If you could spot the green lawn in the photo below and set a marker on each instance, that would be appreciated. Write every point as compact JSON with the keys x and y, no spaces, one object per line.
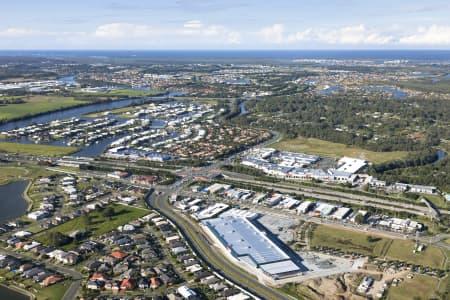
{"x":420,"y":287}
{"x":35,"y":105}
{"x":349,"y":240}
{"x":36,"y":149}
{"x":403,"y":250}
{"x":97,"y":224}
{"x":437,"y":200}
{"x":53,"y":292}
{"x":325,"y":148}
{"x":395,"y":249}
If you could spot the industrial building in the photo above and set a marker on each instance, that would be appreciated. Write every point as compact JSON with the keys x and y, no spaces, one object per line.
{"x":240,"y":237}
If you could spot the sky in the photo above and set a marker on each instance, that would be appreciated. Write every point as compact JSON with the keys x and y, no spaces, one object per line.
{"x":224,"y":24}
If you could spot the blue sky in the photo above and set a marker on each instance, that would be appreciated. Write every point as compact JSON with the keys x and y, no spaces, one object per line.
{"x":225,"y":24}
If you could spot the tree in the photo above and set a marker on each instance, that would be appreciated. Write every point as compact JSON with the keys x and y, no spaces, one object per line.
{"x":58,"y":239}
{"x":109,"y":212}
{"x":359,"y":219}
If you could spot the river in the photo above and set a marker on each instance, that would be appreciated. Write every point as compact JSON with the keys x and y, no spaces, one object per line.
{"x":12,"y":203}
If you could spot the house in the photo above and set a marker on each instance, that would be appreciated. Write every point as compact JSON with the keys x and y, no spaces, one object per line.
{"x":166,"y":279}
{"x":127,"y":284}
{"x":71,"y":258}
{"x":91,"y":266}
{"x":143,"y":283}
{"x":112,"y":285}
{"x":93,"y":285}
{"x":179,"y":250}
{"x":41,"y":276}
{"x":186,"y":292}
{"x":98,"y":277}
{"x":119,"y":254}
{"x":128,"y":273}
{"x":52,"y":279}
{"x":154,"y":283}
{"x":120,"y":268}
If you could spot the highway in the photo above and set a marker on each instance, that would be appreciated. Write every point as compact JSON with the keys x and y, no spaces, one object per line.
{"x":203,"y":248}
{"x":332,"y":195}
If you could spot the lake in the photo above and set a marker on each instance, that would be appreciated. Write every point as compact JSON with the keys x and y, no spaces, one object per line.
{"x":12,"y":203}
{"x":8,"y":294}
{"x":395,"y":93}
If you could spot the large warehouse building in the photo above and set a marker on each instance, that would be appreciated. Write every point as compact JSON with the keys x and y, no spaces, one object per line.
{"x":246,"y":243}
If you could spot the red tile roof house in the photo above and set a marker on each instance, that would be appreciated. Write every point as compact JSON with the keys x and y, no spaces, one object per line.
{"x":51,"y":280}
{"x":98,"y":276}
{"x":127,"y":284}
{"x":119,"y":254}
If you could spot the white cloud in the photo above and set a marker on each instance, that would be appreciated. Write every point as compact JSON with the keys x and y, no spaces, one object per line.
{"x":428,"y":36}
{"x":349,"y":35}
{"x":21,"y":32}
{"x":193,"y":24}
{"x":124,"y":30}
{"x":196,"y":28}
{"x":273,"y":34}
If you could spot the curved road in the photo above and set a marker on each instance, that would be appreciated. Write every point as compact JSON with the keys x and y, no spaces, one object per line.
{"x":214,"y":259}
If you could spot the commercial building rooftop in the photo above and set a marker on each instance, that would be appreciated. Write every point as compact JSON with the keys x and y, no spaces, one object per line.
{"x":247,"y":243}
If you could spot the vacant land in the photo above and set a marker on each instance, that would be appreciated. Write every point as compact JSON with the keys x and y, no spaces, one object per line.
{"x":325,"y":148}
{"x":420,"y":287}
{"x":10,"y":173}
{"x":35,"y":105}
{"x":403,"y":250}
{"x":95,"y":223}
{"x":35,"y":149}
{"x":359,"y":242}
{"x":350,"y":240}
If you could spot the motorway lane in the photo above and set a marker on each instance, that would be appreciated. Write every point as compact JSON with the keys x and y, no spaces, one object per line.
{"x":325,"y":194}
{"x":214,"y":259}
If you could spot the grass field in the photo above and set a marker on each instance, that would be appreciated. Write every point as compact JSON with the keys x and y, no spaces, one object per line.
{"x":437,"y":200}
{"x":395,"y":249}
{"x":97,"y":225}
{"x":35,"y":105}
{"x":420,"y":287}
{"x":35,"y":149}
{"x":10,"y":173}
{"x":330,"y":149}
{"x":403,"y":250}
{"x":349,"y":240}
{"x":53,"y":292}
